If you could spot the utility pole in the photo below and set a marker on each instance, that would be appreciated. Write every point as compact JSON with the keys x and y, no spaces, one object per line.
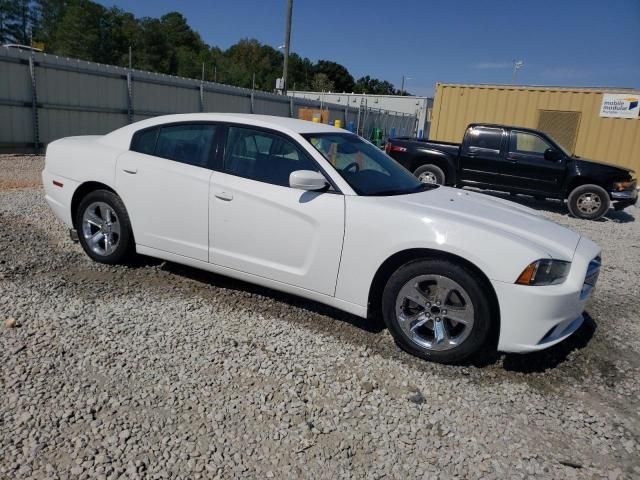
{"x":517,"y":65}
{"x":130,"y":62}
{"x":202,"y":79}
{"x":402,"y":86}
{"x":287,"y":41}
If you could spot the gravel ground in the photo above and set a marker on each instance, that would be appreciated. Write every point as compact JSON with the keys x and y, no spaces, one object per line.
{"x":157,"y":370}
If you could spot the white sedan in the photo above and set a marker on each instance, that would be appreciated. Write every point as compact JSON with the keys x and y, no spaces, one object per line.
{"x":318,"y":212}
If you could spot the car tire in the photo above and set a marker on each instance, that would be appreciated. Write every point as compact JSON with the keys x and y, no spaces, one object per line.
{"x":449,"y":318}
{"x":430,"y":174}
{"x":103,"y":227}
{"x":590,"y":202}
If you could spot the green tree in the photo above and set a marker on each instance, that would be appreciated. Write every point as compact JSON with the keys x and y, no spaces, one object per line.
{"x":322,"y":83}
{"x":15,"y":21}
{"x":79,"y":32}
{"x":337,"y":74}
{"x":374,"y":86}
{"x":46,"y":15}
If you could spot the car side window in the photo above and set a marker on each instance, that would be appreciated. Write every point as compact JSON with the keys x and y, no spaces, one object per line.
{"x":527,"y":144}
{"x":145,"y":141}
{"x":264,"y":157}
{"x":485,"y":138}
{"x":190,"y":143}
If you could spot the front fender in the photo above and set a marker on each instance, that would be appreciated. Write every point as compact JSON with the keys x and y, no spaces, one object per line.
{"x":370,"y":241}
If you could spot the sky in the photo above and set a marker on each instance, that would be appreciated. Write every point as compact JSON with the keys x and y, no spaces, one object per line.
{"x":561,"y":42}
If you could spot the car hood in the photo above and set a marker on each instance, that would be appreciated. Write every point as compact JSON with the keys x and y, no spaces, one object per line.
{"x":585,"y":164}
{"x":521,"y":223}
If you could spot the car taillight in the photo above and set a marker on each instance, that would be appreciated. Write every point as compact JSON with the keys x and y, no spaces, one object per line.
{"x":394,"y":148}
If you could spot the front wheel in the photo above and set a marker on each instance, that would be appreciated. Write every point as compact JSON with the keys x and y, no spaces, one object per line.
{"x":430,"y":174}
{"x":590,"y":202}
{"x":437,"y":310}
{"x":103,"y":227}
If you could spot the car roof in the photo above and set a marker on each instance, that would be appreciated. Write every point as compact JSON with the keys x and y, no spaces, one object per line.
{"x":122,"y":136}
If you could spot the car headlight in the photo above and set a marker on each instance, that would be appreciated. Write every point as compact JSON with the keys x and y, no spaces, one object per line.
{"x":544,"y":272}
{"x":622,"y":186}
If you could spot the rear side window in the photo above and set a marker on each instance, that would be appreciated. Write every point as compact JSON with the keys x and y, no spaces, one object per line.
{"x":145,"y":141}
{"x":187,"y":143}
{"x":485,"y":138}
{"x":190,"y":144}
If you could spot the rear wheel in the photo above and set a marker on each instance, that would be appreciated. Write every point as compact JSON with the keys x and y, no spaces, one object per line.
{"x":430,"y":174}
{"x":590,"y":202}
{"x":103,"y":227}
{"x":437,"y":310}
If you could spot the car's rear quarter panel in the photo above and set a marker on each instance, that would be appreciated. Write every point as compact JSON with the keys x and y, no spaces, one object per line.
{"x":71,"y":162}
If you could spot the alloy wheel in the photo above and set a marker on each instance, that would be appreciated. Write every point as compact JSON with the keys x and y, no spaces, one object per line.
{"x":434,"y":312}
{"x":101,"y":228}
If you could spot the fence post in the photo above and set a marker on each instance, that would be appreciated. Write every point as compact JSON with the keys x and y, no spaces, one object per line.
{"x":251,"y":102}
{"x":201,"y":97}
{"x":346,"y":114}
{"x":129,"y":97}
{"x":291,"y":108}
{"x":34,"y":104}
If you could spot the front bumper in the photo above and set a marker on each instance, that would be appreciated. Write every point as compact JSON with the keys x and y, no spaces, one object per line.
{"x":536,"y":317}
{"x":624,"y":199}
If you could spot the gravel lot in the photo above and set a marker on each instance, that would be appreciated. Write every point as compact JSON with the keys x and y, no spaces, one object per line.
{"x":160,"y":371}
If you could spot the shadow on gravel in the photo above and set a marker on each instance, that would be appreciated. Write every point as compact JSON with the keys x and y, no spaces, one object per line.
{"x":538,"y":362}
{"x":220,"y":281}
{"x":557,"y":206}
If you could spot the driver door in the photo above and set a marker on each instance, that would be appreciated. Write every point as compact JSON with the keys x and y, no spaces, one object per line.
{"x":532,"y":171}
{"x":260,"y":225}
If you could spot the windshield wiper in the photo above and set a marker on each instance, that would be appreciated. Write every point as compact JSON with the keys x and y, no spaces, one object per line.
{"x":420,"y":188}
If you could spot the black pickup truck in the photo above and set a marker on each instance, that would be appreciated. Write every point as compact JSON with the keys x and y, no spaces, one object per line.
{"x":518,"y":160}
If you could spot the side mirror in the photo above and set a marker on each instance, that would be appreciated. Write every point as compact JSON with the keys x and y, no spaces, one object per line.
{"x":307,"y":180}
{"x":552,"y":154}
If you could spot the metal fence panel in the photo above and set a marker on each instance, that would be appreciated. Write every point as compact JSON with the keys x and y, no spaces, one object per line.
{"x":225,"y":103}
{"x":14,"y":81}
{"x":163,"y":99}
{"x":58,"y":123}
{"x":15,"y":125}
{"x":45,"y":97}
{"x":271,"y":107}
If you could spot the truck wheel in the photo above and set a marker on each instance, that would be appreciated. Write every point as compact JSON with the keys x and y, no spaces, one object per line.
{"x":437,"y":310}
{"x":588,"y":201}
{"x":430,"y":174}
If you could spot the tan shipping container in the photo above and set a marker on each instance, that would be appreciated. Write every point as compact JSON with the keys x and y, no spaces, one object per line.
{"x":571,"y":115}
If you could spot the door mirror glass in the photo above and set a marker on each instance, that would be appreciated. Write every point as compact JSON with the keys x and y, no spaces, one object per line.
{"x":552,"y":154}
{"x":307,"y":180}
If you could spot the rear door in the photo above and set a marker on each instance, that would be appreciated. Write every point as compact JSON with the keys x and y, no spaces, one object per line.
{"x":260,"y":225}
{"x":533,"y":172}
{"x":482,"y":160}
{"x":164,"y":183}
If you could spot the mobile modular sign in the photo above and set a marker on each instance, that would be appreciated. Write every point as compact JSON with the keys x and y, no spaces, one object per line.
{"x":620,"y":105}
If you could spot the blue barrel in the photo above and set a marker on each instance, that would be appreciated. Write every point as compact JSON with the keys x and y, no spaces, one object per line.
{"x":350,"y":126}
{"x":392,"y":133}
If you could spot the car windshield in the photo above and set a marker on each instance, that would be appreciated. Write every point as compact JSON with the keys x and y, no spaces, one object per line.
{"x":367,"y":169}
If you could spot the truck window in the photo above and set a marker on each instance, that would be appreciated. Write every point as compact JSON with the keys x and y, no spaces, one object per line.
{"x":485,"y":138}
{"x":527,"y":143}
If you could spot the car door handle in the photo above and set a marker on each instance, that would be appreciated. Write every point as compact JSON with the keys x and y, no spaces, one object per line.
{"x":226,"y":196}
{"x":132,"y":171}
